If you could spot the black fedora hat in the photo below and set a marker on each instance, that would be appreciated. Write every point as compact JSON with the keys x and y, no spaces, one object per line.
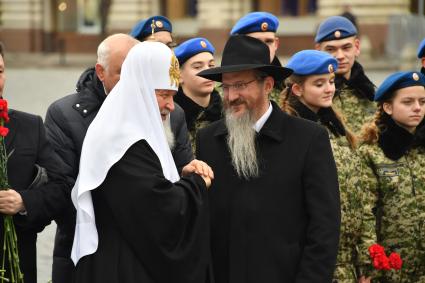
{"x":243,"y":52}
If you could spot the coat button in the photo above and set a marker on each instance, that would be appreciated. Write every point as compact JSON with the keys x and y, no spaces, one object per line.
{"x":77,"y":105}
{"x":85,"y":111}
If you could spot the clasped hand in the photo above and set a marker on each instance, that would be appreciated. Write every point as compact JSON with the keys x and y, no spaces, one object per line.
{"x":201,"y":168}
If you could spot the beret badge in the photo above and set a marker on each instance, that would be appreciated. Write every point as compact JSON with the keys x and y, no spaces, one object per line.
{"x":337,"y":34}
{"x":415,"y":76}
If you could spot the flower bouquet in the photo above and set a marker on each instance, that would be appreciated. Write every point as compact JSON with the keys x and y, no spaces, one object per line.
{"x":10,"y":241}
{"x":380,"y":260}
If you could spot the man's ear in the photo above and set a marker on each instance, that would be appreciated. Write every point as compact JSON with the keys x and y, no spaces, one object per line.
{"x":388,"y":108}
{"x":297,"y":89}
{"x":317,"y":46}
{"x":277,"y":42}
{"x":100,"y":72}
{"x":423,"y":61}
{"x":268,"y":84}
{"x":357,"y":46}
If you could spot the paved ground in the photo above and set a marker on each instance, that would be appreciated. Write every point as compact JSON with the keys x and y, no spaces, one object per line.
{"x":32,"y":89}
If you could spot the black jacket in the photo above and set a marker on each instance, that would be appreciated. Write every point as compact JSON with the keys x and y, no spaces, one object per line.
{"x":161,"y":233}
{"x":363,"y":86}
{"x":284,"y":225}
{"x":26,"y":146}
{"x":67,"y":121}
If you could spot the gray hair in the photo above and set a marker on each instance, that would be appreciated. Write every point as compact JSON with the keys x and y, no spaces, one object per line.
{"x":103,"y":54}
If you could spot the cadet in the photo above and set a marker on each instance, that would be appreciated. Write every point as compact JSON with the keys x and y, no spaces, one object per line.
{"x":196,"y":95}
{"x":393,"y":151}
{"x":354,"y":91}
{"x":308,"y":94}
{"x":262,"y":26}
{"x":421,"y":55}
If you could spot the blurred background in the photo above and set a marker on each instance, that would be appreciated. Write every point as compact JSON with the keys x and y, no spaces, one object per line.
{"x":49,"y":43}
{"x":390,"y":29}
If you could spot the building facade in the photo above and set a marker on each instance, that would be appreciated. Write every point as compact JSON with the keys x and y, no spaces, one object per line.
{"x":79,"y":25}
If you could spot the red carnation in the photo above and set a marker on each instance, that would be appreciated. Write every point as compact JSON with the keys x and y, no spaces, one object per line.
{"x":5,"y":116}
{"x":376,"y":250}
{"x":395,"y":261}
{"x":3,"y":131}
{"x":3,"y":105}
{"x":381,"y":262}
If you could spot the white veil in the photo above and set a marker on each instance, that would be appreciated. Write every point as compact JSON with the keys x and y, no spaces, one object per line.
{"x":130,"y":113}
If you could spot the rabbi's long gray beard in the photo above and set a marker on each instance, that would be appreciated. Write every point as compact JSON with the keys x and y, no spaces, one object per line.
{"x":241,"y":143}
{"x":169,"y":133}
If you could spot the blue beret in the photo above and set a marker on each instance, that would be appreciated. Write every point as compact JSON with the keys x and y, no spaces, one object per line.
{"x":143,"y":28}
{"x":255,"y":22}
{"x":335,"y":27}
{"x":421,"y":49}
{"x":397,"y":81}
{"x":191,"y":47}
{"x":312,"y":62}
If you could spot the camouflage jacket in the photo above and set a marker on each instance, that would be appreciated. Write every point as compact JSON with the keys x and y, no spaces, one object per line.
{"x":353,"y":98}
{"x":357,"y":220}
{"x":198,"y":117}
{"x":276,"y":97}
{"x":395,"y":176}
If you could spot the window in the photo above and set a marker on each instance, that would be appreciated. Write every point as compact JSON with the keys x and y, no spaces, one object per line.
{"x":89,"y":16}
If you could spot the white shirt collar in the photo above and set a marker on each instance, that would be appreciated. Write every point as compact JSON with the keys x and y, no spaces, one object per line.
{"x":260,"y":123}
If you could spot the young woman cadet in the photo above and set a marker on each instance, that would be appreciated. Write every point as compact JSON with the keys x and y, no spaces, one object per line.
{"x":308,"y":94}
{"x":392,"y":150}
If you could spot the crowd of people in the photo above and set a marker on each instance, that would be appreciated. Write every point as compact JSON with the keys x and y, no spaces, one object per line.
{"x":163,"y":167}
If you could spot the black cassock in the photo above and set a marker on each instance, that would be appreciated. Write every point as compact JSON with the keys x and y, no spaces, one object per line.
{"x":150,"y":230}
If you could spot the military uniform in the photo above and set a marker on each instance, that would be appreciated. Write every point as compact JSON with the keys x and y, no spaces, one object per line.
{"x":399,"y":190}
{"x":276,"y":96}
{"x":357,"y":231}
{"x":354,"y":98}
{"x":395,"y":175}
{"x":197,"y":116}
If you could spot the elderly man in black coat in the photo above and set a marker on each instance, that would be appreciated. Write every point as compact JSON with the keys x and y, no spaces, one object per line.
{"x":274,"y":204}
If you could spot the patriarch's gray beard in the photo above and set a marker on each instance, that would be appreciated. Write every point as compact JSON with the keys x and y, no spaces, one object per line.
{"x":169,"y":133}
{"x":241,"y":142}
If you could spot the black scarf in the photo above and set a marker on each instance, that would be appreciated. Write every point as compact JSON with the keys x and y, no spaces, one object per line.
{"x":212,"y":112}
{"x":326,"y":117}
{"x":358,"y":81}
{"x":396,"y":141}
